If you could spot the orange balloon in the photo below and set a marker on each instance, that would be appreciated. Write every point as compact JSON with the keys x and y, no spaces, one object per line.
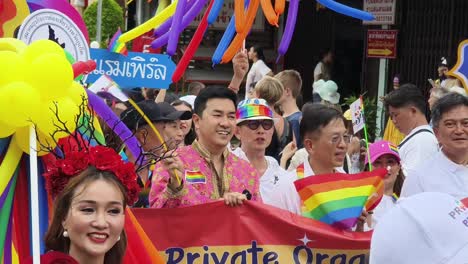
{"x":279,"y":7}
{"x":239,"y":13}
{"x":269,"y":13}
{"x":240,"y":37}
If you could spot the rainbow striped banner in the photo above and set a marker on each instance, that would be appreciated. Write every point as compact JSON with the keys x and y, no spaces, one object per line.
{"x":116,"y":46}
{"x":338,"y":199}
{"x":195,"y":177}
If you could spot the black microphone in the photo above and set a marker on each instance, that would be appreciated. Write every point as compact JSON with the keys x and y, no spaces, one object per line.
{"x":247,"y":194}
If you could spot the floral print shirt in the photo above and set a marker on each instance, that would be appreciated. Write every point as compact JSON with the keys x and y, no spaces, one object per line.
{"x":201,"y":183}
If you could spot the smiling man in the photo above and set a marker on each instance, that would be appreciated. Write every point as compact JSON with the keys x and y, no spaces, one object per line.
{"x":255,"y":130}
{"x":206,"y":170}
{"x":326,"y":140}
{"x":447,"y":170}
{"x":406,"y":107}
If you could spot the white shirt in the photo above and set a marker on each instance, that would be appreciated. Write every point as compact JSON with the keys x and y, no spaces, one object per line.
{"x":256,"y":73}
{"x":317,"y":71}
{"x":417,"y":149}
{"x":287,"y":196}
{"x":382,"y":208}
{"x":270,"y":179}
{"x":437,"y":174}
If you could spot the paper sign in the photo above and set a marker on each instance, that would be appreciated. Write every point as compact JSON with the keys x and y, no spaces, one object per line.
{"x":357,"y":115}
{"x":107,"y":88}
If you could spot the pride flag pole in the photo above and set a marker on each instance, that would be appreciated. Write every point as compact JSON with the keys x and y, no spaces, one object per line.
{"x":34,"y":185}
{"x":365,"y":133}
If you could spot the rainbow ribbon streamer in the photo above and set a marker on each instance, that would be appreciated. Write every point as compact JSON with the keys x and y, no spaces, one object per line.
{"x":338,"y":199}
{"x":116,"y":46}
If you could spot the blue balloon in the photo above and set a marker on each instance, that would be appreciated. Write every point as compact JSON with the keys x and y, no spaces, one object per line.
{"x":346,"y":10}
{"x":214,"y":12}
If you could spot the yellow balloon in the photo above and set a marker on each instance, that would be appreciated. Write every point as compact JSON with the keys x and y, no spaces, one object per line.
{"x":152,"y":23}
{"x":52,"y":74}
{"x":76,"y":93}
{"x":40,"y":47}
{"x":19,"y":102}
{"x":21,"y":139}
{"x":57,"y":118}
{"x":12,"y":44}
{"x":6,"y":130}
{"x":12,"y":67}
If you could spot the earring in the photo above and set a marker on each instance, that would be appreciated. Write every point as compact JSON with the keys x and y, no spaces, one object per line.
{"x":65,"y":233}
{"x":118,"y":239}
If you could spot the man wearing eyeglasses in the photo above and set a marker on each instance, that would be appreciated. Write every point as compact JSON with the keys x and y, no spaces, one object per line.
{"x":326,"y":140}
{"x":255,"y":131}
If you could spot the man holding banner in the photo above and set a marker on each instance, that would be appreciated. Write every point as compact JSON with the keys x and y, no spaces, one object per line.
{"x":208,"y":169}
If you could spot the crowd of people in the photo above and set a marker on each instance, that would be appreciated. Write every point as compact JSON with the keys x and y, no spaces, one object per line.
{"x":219,"y":147}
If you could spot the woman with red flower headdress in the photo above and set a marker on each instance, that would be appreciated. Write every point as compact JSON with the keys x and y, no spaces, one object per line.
{"x":91,"y":188}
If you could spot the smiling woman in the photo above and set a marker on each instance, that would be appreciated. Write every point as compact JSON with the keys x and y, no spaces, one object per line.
{"x":91,"y":189}
{"x":89,"y":218}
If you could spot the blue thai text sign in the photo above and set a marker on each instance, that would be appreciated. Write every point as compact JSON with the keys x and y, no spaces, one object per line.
{"x":134,"y":70}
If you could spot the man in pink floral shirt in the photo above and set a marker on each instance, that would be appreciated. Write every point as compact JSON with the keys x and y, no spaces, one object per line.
{"x":206,"y":171}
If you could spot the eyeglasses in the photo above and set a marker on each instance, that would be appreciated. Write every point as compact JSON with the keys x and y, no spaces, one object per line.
{"x":254,"y":124}
{"x":335,"y":140}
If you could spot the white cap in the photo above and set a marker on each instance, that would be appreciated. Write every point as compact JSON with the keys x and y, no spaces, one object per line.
{"x":189,"y":99}
{"x":328,"y":91}
{"x":429,"y":228}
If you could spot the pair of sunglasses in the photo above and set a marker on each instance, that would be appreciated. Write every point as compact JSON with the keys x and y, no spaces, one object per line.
{"x":254,"y":124}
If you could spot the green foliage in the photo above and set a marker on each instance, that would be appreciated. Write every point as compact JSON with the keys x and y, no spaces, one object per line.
{"x":112,"y":19}
{"x":370,"y":114}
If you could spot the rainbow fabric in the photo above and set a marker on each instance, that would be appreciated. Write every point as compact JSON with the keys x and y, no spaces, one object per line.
{"x":12,"y":14}
{"x":253,"y":110}
{"x":338,"y":199}
{"x":195,"y":177}
{"x":393,"y":148}
{"x":300,"y":171}
{"x":116,"y":46}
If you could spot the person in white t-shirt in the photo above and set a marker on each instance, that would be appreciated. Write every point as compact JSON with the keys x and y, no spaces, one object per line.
{"x":255,"y":131}
{"x":447,"y":170}
{"x":429,"y":228}
{"x":258,"y":69}
{"x":384,"y":154}
{"x":406,"y":107}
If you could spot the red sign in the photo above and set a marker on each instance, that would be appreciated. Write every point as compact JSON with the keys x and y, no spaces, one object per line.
{"x":251,"y":233}
{"x":382,"y":44}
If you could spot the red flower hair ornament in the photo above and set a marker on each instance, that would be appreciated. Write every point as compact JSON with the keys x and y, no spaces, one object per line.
{"x":61,"y":170}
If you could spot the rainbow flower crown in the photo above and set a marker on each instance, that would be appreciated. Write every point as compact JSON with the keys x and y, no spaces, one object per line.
{"x":253,"y":109}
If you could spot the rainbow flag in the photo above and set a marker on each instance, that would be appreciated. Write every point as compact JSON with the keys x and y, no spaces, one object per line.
{"x":338,"y":199}
{"x":195,"y":177}
{"x":116,"y":46}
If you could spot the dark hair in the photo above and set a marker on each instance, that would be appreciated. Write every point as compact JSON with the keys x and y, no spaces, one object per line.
{"x":194,"y":88}
{"x":182,"y":102}
{"x":259,"y":50}
{"x":445,"y":104}
{"x":407,"y":95}
{"x":170,"y":97}
{"x":316,"y":116}
{"x":191,"y":136}
{"x":54,"y":239}
{"x":213,"y":93}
